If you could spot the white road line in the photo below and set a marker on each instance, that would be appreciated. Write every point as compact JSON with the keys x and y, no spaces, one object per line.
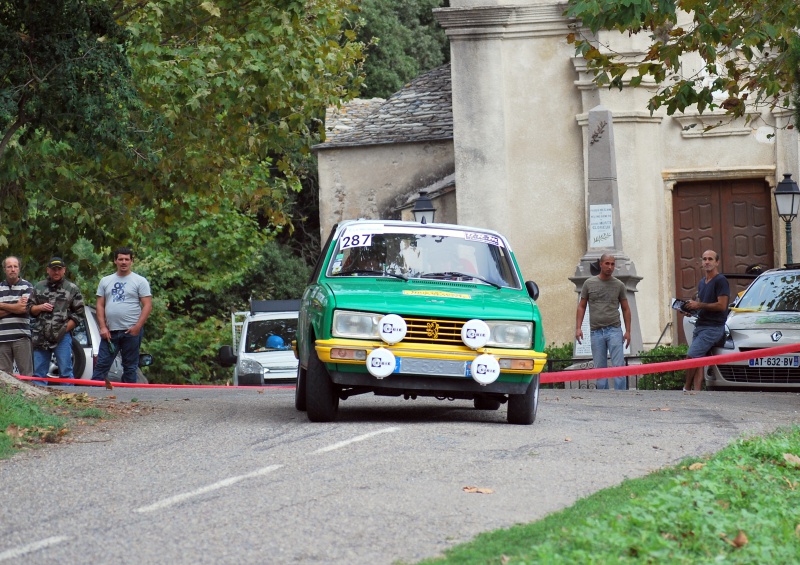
{"x":31,"y":547}
{"x":354,"y":440}
{"x":172,"y":500}
{"x":203,"y":490}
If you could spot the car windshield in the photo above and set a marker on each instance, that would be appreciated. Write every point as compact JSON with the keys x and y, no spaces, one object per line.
{"x":773,"y":293}
{"x":420,"y":252}
{"x":270,"y":335}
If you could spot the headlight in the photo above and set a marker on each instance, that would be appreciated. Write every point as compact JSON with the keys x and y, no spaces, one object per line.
{"x":356,"y":325}
{"x":728,"y":339}
{"x":510,"y":334}
{"x":250,"y":367}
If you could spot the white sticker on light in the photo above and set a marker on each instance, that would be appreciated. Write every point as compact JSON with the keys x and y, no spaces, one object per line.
{"x":381,"y":363}
{"x":392,"y":328}
{"x":475,"y":333}
{"x":485,"y":369}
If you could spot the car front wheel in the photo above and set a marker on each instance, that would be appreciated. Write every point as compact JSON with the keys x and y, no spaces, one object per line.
{"x":322,"y":398}
{"x":522,"y":408}
{"x":300,"y":390}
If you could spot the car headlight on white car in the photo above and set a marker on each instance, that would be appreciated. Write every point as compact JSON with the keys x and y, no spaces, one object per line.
{"x":518,"y":335}
{"x":356,"y":325}
{"x":250,"y":367}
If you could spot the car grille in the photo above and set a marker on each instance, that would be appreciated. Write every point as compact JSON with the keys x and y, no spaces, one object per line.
{"x":430,"y":330}
{"x":760,"y":375}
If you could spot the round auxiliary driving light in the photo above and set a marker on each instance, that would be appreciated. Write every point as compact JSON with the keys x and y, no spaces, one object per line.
{"x":392,"y":328}
{"x":475,"y":333}
{"x":381,"y":363}
{"x":485,"y":369}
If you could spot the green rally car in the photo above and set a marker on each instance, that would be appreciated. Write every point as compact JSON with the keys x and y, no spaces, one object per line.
{"x":409,"y":309}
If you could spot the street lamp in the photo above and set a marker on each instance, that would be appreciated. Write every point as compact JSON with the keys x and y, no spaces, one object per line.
{"x":424,"y":211}
{"x":787,"y":201}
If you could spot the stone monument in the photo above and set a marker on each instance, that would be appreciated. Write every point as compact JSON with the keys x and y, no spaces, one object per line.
{"x":604,"y":234}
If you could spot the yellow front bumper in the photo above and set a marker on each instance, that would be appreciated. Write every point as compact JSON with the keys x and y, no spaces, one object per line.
{"x":427,"y":351}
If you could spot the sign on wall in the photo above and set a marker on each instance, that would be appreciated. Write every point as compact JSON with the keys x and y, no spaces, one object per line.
{"x":601,"y":225}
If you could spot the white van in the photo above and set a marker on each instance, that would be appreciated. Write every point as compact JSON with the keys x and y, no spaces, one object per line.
{"x":262,"y":343}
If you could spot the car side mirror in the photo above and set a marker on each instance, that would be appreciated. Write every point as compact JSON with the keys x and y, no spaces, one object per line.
{"x":145,"y":360}
{"x":533,"y":289}
{"x":225,"y":356}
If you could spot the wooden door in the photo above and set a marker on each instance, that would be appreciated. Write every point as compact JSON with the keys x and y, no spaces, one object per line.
{"x":731,"y":217}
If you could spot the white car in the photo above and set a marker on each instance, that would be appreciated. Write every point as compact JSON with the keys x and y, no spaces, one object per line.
{"x":767,"y":314}
{"x":262,"y":342}
{"x":86,"y":347}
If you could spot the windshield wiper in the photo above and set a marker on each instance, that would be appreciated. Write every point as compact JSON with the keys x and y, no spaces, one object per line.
{"x":456,"y":274}
{"x":373,"y":272}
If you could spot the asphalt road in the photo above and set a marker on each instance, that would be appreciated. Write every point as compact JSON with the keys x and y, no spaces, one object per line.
{"x":234,"y":476}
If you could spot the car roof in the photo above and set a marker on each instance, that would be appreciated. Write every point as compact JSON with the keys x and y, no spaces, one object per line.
{"x":789,"y":268}
{"x":410,"y":224}
{"x":258,"y":306}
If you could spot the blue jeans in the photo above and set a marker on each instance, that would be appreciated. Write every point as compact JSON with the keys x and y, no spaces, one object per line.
{"x":124,"y":344}
{"x":63,"y":353}
{"x":608,"y":341}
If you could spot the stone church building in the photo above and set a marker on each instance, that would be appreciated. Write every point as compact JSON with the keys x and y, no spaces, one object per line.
{"x":500,"y":138}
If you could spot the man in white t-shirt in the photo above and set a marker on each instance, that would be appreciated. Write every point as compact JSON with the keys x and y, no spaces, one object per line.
{"x":123,"y":304}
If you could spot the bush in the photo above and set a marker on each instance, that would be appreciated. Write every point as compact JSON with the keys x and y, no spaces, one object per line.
{"x":670,"y":380}
{"x":558,"y":358}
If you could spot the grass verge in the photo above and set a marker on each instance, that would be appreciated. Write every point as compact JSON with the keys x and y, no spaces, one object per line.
{"x":26,"y":422}
{"x":738,"y":506}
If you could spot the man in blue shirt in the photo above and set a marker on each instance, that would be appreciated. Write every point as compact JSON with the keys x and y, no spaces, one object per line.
{"x":713,"y":296}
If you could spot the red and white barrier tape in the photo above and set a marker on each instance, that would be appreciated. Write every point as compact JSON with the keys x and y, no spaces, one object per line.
{"x":545,"y":378}
{"x":665,"y":366}
{"x":87,"y":382}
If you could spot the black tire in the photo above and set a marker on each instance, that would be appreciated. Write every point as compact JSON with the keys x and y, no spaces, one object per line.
{"x":486,"y":403}
{"x":78,"y":360}
{"x":322,"y":398}
{"x":300,"y":390}
{"x":522,"y":408}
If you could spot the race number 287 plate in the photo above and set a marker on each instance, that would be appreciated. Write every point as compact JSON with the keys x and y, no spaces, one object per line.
{"x":787,"y":361}
{"x":355,"y":240}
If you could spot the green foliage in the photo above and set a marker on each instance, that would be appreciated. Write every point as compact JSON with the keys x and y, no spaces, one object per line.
{"x":66,"y":74}
{"x":748,"y":50}
{"x":404,"y":41}
{"x":671,"y":380}
{"x":558,"y":358}
{"x":737,"y":506}
{"x":276,"y":274}
{"x":23,"y":421}
{"x":560,"y":352}
{"x":185,"y":349}
{"x":234,"y":97}
{"x":242,"y":107}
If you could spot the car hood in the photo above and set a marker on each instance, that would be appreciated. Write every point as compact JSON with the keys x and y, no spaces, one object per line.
{"x":432,"y":298}
{"x":274,"y":360}
{"x":763,"y":321}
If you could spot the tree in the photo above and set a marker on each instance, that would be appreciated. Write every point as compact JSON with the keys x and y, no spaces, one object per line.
{"x":404,"y":40}
{"x":239,"y":89}
{"x":750,"y":50}
{"x":64,"y":72}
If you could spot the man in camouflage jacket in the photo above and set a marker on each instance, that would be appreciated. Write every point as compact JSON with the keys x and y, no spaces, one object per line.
{"x":56,"y":308}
